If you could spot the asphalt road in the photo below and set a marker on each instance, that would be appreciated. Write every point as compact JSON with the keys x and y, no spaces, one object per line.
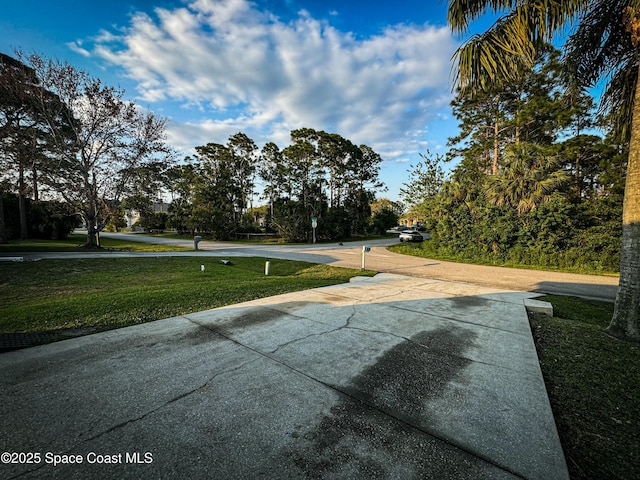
{"x":382,"y":260}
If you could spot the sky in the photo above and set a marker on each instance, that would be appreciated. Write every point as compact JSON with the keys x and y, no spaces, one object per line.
{"x":376,"y":72}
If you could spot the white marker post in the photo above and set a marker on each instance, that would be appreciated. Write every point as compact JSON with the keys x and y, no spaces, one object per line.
{"x":365,"y":250}
{"x":314,"y":224}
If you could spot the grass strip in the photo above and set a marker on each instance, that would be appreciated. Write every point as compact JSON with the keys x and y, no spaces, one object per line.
{"x":75,"y":242}
{"x":425,"y":250}
{"x":593,"y":383}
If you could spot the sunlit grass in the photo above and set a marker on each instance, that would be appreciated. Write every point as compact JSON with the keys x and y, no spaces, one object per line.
{"x":52,"y":295}
{"x":425,"y":250}
{"x":76,"y":242}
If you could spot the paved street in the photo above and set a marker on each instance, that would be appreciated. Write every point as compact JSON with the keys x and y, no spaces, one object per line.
{"x":382,"y":260}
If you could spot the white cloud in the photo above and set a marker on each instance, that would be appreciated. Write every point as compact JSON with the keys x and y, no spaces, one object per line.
{"x":251,"y":71}
{"x":77,"y":47}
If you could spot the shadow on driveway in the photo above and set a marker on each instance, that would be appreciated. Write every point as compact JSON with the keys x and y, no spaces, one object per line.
{"x":390,"y":377}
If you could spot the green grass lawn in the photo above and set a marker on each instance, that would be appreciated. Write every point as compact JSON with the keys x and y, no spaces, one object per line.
{"x":593,"y":382}
{"x":101,"y":294}
{"x":75,"y":242}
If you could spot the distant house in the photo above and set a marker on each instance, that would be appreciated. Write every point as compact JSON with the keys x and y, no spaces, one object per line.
{"x":409,"y":219}
{"x":132,"y":215}
{"x":160,"y":206}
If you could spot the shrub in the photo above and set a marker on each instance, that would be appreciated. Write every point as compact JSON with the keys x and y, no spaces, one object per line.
{"x":47,"y":220}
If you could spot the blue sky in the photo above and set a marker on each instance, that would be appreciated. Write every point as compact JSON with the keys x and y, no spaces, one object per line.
{"x":376,"y":72}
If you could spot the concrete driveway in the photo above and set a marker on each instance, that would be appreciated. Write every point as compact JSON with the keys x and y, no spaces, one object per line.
{"x":386,"y":377}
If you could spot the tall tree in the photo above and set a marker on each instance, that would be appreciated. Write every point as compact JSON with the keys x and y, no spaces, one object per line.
{"x":18,"y":122}
{"x":26,"y":131}
{"x":334,"y":152}
{"x":216,"y":191}
{"x":110,"y":137}
{"x":179,"y":179}
{"x":426,"y":180}
{"x":243,"y":157}
{"x":306,"y":171}
{"x":363,"y":169}
{"x":274,"y":174}
{"x":588,"y":158}
{"x":529,"y":108}
{"x":605,"y":44}
{"x":362,"y":183}
{"x":482,"y":130}
{"x":3,"y":226}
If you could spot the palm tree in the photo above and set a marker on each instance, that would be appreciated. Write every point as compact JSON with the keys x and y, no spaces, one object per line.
{"x":603,"y":46}
{"x":528,"y":178}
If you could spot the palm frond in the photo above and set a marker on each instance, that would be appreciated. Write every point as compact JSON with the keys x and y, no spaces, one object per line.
{"x":460,"y":13}
{"x":511,"y":43}
{"x":530,"y":176}
{"x":496,"y":55}
{"x":602,"y":48}
{"x":618,"y":99}
{"x":600,"y":45}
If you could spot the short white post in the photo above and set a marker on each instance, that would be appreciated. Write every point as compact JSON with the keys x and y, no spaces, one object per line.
{"x":267,"y":268}
{"x":365,"y":249}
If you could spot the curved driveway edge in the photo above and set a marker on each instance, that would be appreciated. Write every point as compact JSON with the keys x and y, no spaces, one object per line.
{"x":385,"y":377}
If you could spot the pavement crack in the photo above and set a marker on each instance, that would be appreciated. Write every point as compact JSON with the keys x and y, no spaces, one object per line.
{"x":457,"y":320}
{"x":383,"y":332}
{"x":165,"y":404}
{"x":462,"y":357}
{"x":354,"y":396}
{"x":358,"y":397}
{"x":74,"y":448}
{"x":316,"y":334}
{"x":392,"y":295}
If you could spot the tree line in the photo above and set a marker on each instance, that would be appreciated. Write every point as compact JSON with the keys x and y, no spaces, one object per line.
{"x":533,"y":184}
{"x":320,"y":174}
{"x":603,"y":45}
{"x":65,"y":132}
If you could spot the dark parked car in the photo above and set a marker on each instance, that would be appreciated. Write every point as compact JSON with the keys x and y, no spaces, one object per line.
{"x":410,"y":236}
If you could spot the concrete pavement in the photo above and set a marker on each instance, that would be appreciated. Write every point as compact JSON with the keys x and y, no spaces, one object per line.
{"x":386,"y":377}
